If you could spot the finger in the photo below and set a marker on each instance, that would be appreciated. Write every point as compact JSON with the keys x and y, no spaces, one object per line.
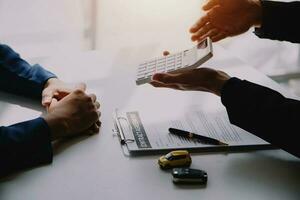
{"x":166,"y":53}
{"x":81,"y":86}
{"x":99,"y":114}
{"x":211,"y":33}
{"x":203,"y":31}
{"x":93,"y":97}
{"x":199,"y":24}
{"x":94,"y":128}
{"x":210,"y":4}
{"x":61,"y":93}
{"x":47,"y":98}
{"x":218,"y":37}
{"x":97,"y":105}
{"x":163,"y":85}
{"x":167,"y":78}
{"x":52,"y":104}
{"x":99,"y":123}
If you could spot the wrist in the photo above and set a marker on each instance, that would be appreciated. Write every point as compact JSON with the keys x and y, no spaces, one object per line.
{"x":220,"y":81}
{"x":256,"y":11}
{"x":50,"y":81}
{"x":58,"y":127}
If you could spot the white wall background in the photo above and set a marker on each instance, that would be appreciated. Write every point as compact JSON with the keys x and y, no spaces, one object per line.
{"x":38,"y":28}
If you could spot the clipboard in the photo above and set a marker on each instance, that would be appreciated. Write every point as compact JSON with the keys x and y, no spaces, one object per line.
{"x":135,"y":140}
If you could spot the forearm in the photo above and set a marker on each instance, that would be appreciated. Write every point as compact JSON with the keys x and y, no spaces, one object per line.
{"x":263,"y":112}
{"x":279,"y":21}
{"x":18,"y":77}
{"x":24,"y":145}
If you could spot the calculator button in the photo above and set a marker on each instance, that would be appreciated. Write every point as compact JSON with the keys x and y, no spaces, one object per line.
{"x":178,"y":66}
{"x":152,"y":62}
{"x":141,"y":69}
{"x":161,"y":65}
{"x":143,"y":64}
{"x":161,"y":70}
{"x":140,"y":76}
{"x":170,"y":57}
{"x":161,"y":60}
{"x":171,"y":64}
{"x":151,"y":67}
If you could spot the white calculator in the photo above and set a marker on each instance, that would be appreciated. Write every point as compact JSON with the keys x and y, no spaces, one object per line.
{"x":187,"y":59}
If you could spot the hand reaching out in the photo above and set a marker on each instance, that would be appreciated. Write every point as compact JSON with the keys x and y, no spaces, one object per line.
{"x":224,"y":18}
{"x":201,"y":79}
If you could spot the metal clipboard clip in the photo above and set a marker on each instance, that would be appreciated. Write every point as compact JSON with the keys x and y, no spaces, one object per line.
{"x":119,"y":129}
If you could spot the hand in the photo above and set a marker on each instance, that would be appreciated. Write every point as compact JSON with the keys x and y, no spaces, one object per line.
{"x":201,"y":79}
{"x":55,"y":88}
{"x":77,"y":113}
{"x":226,"y":18}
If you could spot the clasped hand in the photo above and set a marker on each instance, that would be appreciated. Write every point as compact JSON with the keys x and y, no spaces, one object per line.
{"x":70,"y":111}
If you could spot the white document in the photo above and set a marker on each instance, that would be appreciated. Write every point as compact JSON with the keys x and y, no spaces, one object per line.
{"x":148,"y":132}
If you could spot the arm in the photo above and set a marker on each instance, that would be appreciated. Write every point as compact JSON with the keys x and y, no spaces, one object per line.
{"x":263,"y":112}
{"x":28,"y":144}
{"x":70,"y":112}
{"x":279,"y":21}
{"x":24,"y":145}
{"x":257,"y":109}
{"x":18,"y":77}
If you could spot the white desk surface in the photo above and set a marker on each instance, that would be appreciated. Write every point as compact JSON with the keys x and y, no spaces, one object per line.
{"x":95,"y":168}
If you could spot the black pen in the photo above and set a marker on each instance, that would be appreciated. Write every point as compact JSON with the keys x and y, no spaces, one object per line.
{"x":201,"y":138}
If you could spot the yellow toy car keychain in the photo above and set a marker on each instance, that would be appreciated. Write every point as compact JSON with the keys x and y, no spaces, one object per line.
{"x":180,"y":158}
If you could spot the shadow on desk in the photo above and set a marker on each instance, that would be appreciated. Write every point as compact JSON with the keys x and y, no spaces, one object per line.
{"x":61,"y":145}
{"x":58,"y":147}
{"x":266,"y":170}
{"x":21,"y":101}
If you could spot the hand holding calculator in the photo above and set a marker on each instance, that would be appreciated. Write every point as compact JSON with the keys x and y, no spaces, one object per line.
{"x":187,"y":59}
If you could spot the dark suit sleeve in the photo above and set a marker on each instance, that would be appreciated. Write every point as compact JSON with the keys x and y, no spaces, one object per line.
{"x":24,"y":145}
{"x":264,"y":113}
{"x":280,"y":21}
{"x":18,"y":77}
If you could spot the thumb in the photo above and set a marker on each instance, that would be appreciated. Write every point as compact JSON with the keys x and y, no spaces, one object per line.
{"x":81,"y":86}
{"x":165,"y":78}
{"x":54,"y":102}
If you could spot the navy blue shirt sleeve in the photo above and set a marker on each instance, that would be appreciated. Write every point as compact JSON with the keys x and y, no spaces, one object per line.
{"x":280,"y":21}
{"x":24,"y":145}
{"x":19,"y":77}
{"x":263,"y":112}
